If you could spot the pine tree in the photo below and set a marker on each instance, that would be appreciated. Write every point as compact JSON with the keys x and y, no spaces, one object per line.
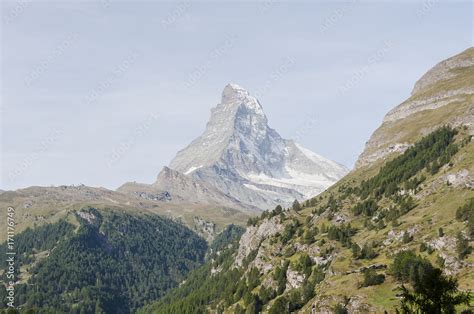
{"x":296,"y":206}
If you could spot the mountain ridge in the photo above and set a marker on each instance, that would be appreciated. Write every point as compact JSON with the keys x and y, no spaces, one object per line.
{"x":438,"y":95}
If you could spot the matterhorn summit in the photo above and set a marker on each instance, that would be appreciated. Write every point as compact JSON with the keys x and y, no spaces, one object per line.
{"x":240,"y":156}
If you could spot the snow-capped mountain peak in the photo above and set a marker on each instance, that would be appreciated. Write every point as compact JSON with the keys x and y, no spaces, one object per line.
{"x":240,"y":155}
{"x":237,"y":115}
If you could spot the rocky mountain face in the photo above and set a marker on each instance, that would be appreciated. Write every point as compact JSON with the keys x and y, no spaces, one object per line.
{"x":242,"y":157}
{"x":444,"y":95}
{"x":413,"y":190}
{"x":189,"y":189}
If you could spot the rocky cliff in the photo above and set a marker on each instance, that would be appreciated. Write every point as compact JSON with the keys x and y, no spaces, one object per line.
{"x":443,"y":96}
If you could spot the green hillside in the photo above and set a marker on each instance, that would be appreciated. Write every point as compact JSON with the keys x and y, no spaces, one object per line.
{"x":109,"y":261}
{"x":338,"y":251}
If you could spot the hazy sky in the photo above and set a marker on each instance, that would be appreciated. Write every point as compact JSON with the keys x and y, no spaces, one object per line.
{"x":105,"y":92}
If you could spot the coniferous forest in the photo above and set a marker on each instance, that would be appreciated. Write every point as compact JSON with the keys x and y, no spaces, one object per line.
{"x":113,"y":262}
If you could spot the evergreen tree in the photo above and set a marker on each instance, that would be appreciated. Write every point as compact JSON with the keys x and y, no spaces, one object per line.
{"x":432,"y":292}
{"x":296,"y":206}
{"x":463,"y":249}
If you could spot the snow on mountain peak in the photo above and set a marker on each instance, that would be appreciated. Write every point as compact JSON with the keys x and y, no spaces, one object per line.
{"x":238,"y":115}
{"x":234,"y":96}
{"x":233,"y":91}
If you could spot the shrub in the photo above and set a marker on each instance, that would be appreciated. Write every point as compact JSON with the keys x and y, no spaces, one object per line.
{"x":308,"y":236}
{"x":340,"y":309}
{"x":466,"y":213}
{"x":371,"y":278}
{"x":355,"y":250}
{"x":342,"y":234}
{"x":407,"y":238}
{"x":463,"y":249}
{"x":440,"y":232}
{"x":279,"y":306}
{"x":423,"y":247}
{"x":289,"y":251}
{"x":266,"y":294}
{"x":430,"y":249}
{"x":280,"y":277}
{"x":303,"y":265}
{"x":368,"y":251}
{"x":463,"y":212}
{"x":440,"y":261}
{"x":403,"y":263}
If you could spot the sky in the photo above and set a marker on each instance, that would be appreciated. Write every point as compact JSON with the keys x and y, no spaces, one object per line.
{"x":104,"y":92}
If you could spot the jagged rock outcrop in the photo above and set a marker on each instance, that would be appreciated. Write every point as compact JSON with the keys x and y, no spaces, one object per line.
{"x":163,"y":196}
{"x":446,"y":247}
{"x":204,"y":228}
{"x":253,"y":237}
{"x":324,"y":304}
{"x":294,"y":279}
{"x":89,"y":217}
{"x":461,"y":178}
